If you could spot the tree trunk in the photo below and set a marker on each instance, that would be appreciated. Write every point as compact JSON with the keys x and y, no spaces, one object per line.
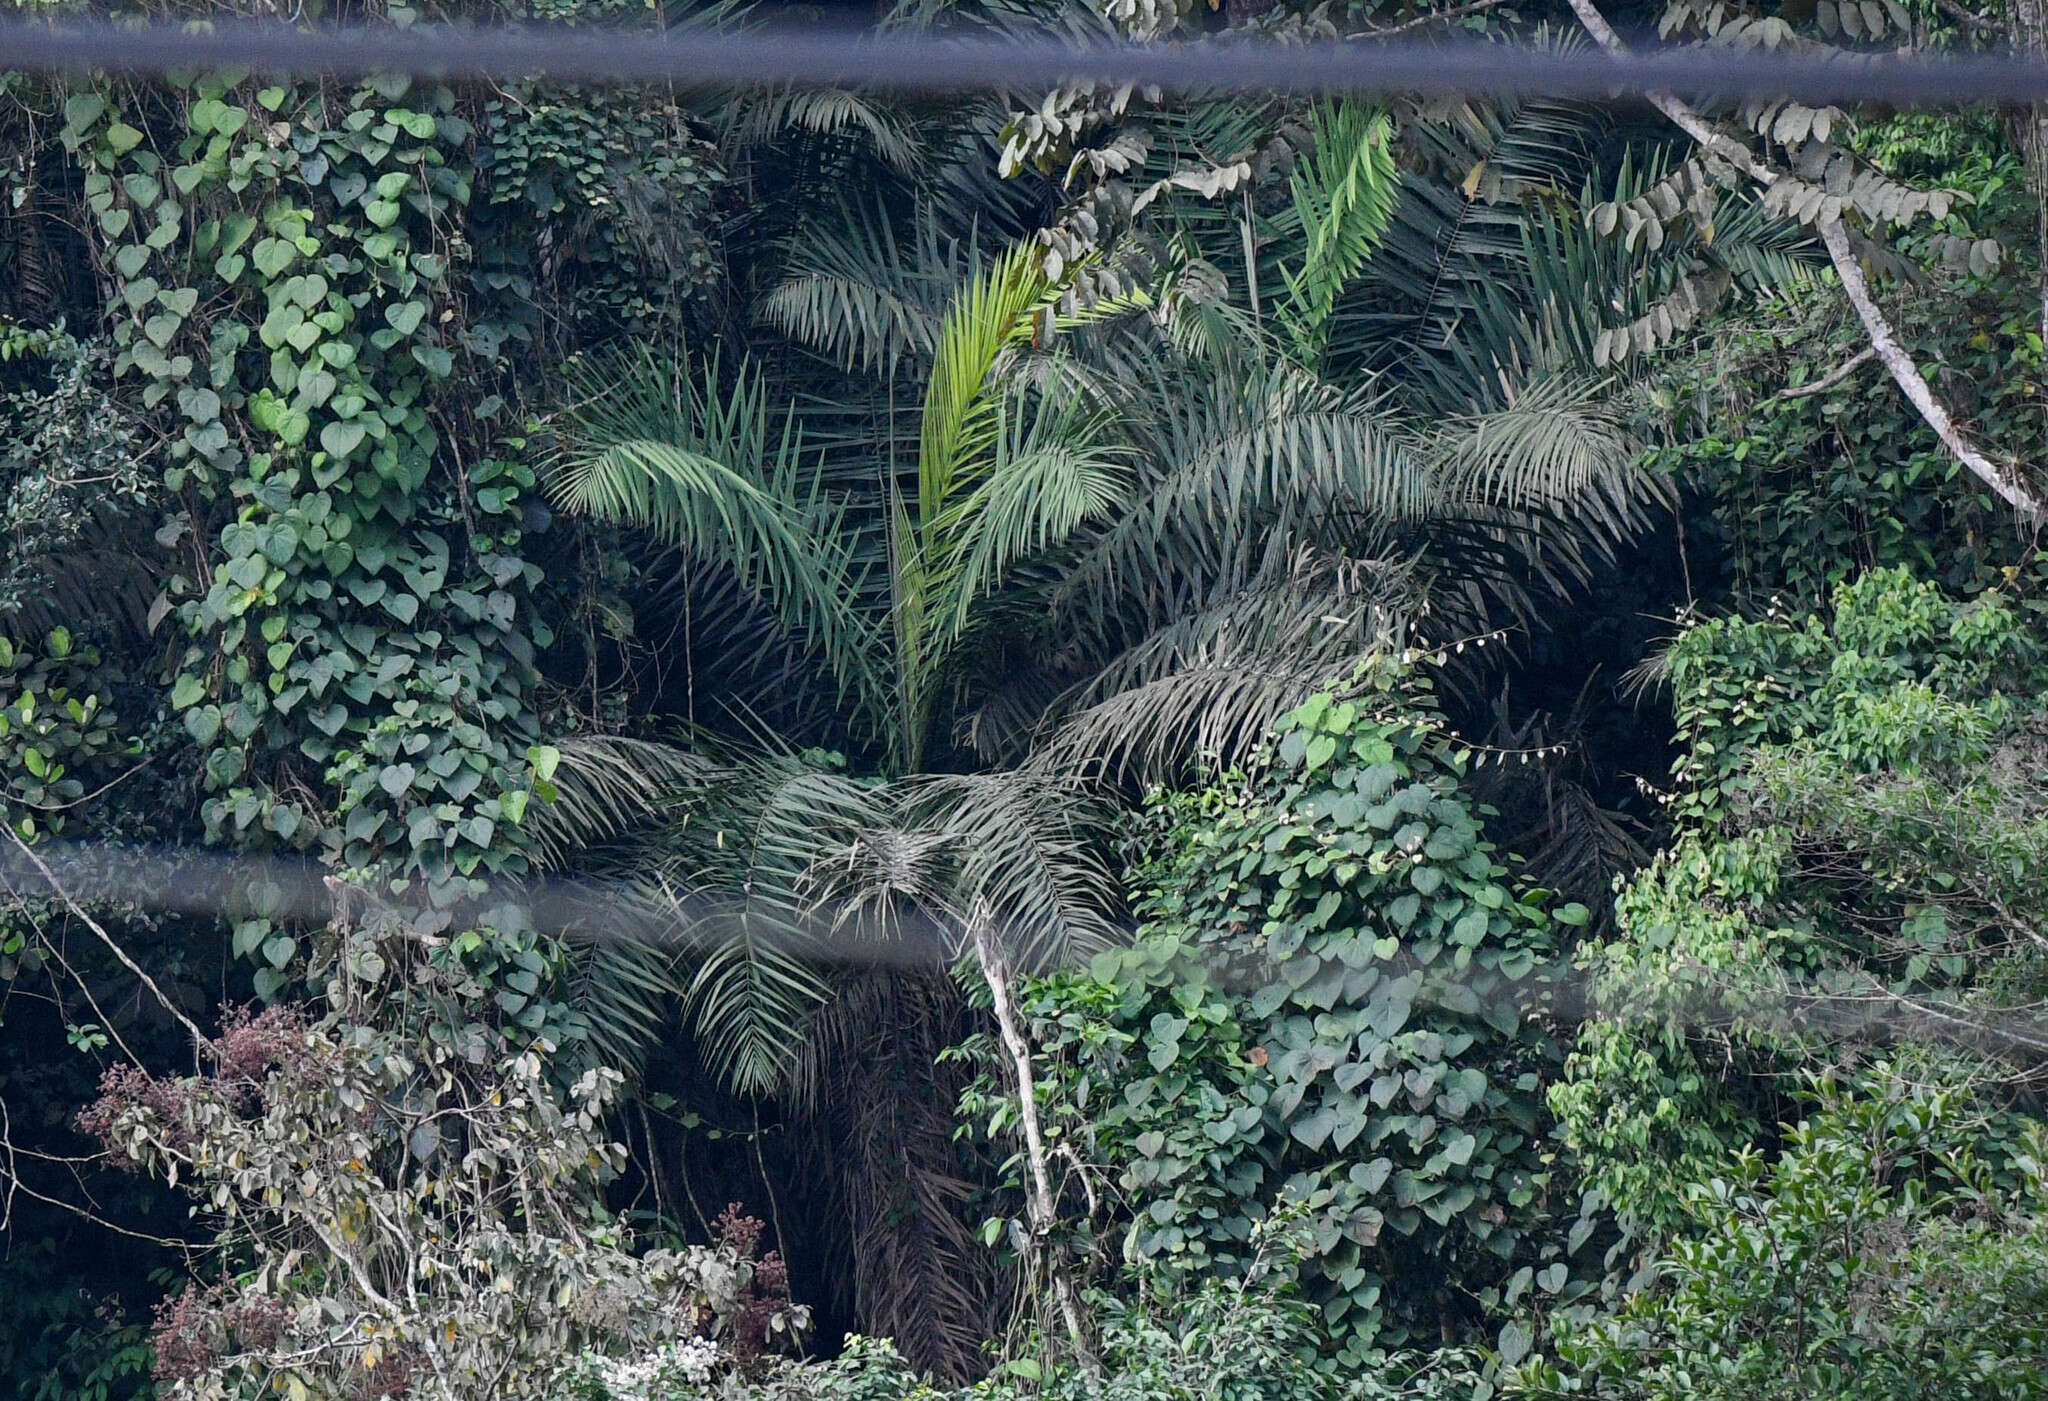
{"x":877,"y":1105}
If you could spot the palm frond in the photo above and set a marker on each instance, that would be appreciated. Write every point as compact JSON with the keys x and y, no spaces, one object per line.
{"x":857,"y":295}
{"x":960,"y":421}
{"x":698,"y":463}
{"x":1025,"y":846}
{"x":1205,"y":688}
{"x":1344,"y":192}
{"x":1044,"y":481}
{"x":1556,"y":449}
{"x":762,"y":853}
{"x":607,"y":786}
{"x":748,"y":1003}
{"x":830,"y":112}
{"x":622,"y":977}
{"x":624,"y":989}
{"x":1228,"y":473}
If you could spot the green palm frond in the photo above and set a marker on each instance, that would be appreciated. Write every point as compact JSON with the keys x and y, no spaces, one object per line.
{"x":698,"y":463}
{"x":834,"y":113}
{"x":610,"y":790}
{"x":1344,"y":193}
{"x":1229,"y":471}
{"x":748,"y":882}
{"x":1455,"y":239}
{"x":1205,"y":687}
{"x":961,"y":415}
{"x":1044,"y":482}
{"x":625,"y":990}
{"x":865,"y":300}
{"x":1557,"y":449}
{"x":606,"y":787}
{"x":748,"y":1002}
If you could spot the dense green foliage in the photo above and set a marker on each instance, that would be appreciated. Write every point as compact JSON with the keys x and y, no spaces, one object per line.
{"x":1884,"y":1253}
{"x":1029,"y":684}
{"x":1857,"y":858}
{"x":1327,"y":1007}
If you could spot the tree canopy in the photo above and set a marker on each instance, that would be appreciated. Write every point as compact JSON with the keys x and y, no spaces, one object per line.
{"x":806,"y":743}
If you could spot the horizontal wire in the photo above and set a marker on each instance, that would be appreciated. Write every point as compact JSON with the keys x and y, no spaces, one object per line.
{"x":935,"y":64}
{"x":206,"y":883}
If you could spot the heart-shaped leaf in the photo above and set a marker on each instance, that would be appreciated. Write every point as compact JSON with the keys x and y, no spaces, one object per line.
{"x":272,"y":256}
{"x":405,"y":317}
{"x":341,"y":438}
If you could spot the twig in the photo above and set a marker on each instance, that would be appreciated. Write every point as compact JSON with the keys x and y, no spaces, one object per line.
{"x":1832,"y":377}
{"x":199,"y":1039}
{"x":13,"y":1174}
{"x":1965,"y":18}
{"x":1471,"y":7}
{"x":15,"y":1184}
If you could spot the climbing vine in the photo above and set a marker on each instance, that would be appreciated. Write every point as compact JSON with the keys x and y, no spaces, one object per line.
{"x":1329,"y":1008}
{"x":359,"y":677}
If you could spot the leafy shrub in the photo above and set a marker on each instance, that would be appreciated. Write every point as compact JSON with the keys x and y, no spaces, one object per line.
{"x":391,"y":1217}
{"x":1325,"y":1010}
{"x":1863,"y":824}
{"x":1898,"y":1247}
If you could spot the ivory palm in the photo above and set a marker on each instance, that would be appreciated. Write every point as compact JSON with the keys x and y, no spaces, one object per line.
{"x":1023,"y":547}
{"x":883,"y":583}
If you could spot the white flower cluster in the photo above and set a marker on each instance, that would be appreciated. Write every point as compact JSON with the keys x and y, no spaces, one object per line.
{"x":673,"y":1372}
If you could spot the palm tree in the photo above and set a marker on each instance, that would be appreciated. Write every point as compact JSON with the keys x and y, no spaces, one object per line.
{"x":1012,"y":544}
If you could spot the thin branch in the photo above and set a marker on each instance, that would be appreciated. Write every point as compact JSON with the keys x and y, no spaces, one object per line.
{"x":13,"y":1174}
{"x":1831,"y":378}
{"x":1039,"y":1199}
{"x":2002,"y":480}
{"x":15,"y":1184}
{"x":1966,"y":18}
{"x":199,"y":1039}
{"x":1471,"y":7}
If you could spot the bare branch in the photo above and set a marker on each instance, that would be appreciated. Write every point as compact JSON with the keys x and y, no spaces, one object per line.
{"x":1471,"y":7}
{"x":2002,"y":480}
{"x":1831,"y":378}
{"x":199,"y":1040}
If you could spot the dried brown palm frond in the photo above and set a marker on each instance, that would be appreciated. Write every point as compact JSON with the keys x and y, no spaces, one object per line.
{"x":876,"y":1104}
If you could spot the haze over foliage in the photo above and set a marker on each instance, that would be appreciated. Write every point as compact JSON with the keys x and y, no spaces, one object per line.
{"x":817,"y":746}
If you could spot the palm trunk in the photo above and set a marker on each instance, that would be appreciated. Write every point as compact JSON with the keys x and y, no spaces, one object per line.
{"x":877,"y":1105}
